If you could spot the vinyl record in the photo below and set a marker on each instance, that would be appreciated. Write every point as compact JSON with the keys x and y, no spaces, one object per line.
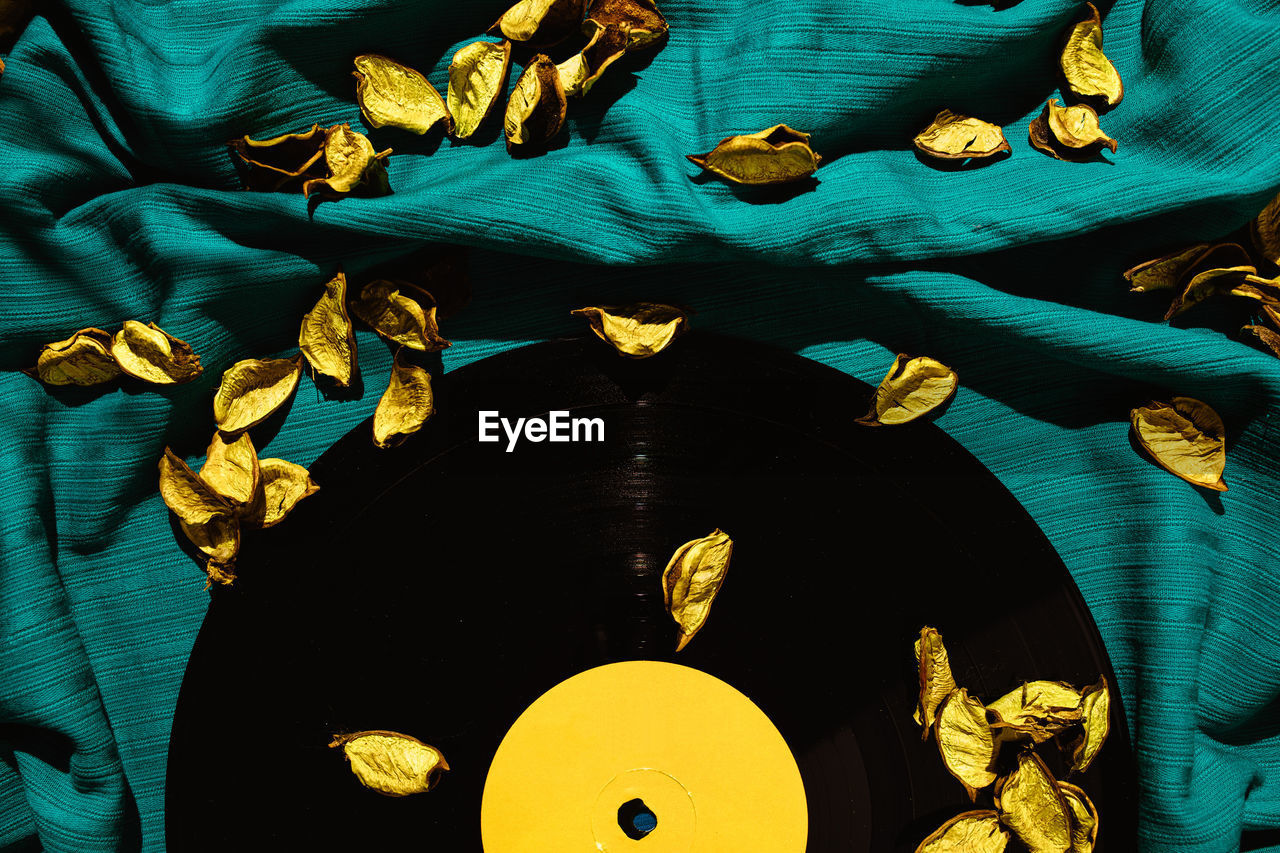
{"x":447,"y":587}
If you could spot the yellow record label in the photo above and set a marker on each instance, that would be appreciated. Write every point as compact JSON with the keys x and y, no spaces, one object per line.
{"x":643,"y":757}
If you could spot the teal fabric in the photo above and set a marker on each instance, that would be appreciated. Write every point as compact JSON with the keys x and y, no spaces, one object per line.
{"x":119,"y":201}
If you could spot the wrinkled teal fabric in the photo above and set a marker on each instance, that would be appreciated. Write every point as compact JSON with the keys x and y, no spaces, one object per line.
{"x":118,"y":201}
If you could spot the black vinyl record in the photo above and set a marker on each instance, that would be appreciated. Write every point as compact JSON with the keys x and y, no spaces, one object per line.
{"x":440,"y":587}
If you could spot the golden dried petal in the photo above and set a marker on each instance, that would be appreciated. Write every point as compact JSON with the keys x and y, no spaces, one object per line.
{"x":326,"y":338}
{"x":692,"y":579}
{"x":290,"y":155}
{"x":1186,"y":438}
{"x":1095,"y":706}
{"x":1031,"y":805}
{"x":190,"y":497}
{"x":1084,"y":818}
{"x":540,"y":22}
{"x":936,"y":681}
{"x":219,"y":539}
{"x":640,"y":330}
{"x":971,"y":832}
{"x":284,"y":484}
{"x":232,"y":470}
{"x":405,"y":405}
{"x":775,"y":155}
{"x":1077,"y":127}
{"x":912,"y":387}
{"x":640,"y":18}
{"x":153,"y":355}
{"x":82,"y":359}
{"x":537,"y":107}
{"x":1269,"y":338}
{"x":395,"y":95}
{"x":1036,"y":711}
{"x":391,"y":763}
{"x":1264,"y":290}
{"x":477,"y":79}
{"x":968,"y":746}
{"x":1206,"y":284}
{"x":351,"y":161}
{"x":398,"y":318}
{"x":1089,"y":74}
{"x":1272,"y":313}
{"x":252,"y":389}
{"x":1265,"y":230}
{"x":957,"y":137}
{"x":1165,"y":272}
{"x":606,"y":46}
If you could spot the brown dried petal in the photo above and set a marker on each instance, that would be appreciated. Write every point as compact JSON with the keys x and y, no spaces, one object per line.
{"x":1186,"y":438}
{"x":692,"y":579}
{"x":477,"y":79}
{"x":775,"y":155}
{"x":1165,"y":272}
{"x":537,"y":107}
{"x":639,"y":330}
{"x":1095,"y":707}
{"x":326,"y":338}
{"x":284,"y":485}
{"x":394,"y":95}
{"x":252,"y":389}
{"x":956,"y":137}
{"x":290,"y":155}
{"x":351,"y":161}
{"x":967,"y":744}
{"x":390,"y":763}
{"x":641,"y":20}
{"x":1265,"y":230}
{"x":1031,"y":805}
{"x":1264,"y":290}
{"x":1269,"y":338}
{"x":82,"y":359}
{"x":1089,"y":74}
{"x":190,"y":497}
{"x":405,"y":406}
{"x":912,"y":387}
{"x":232,"y":470}
{"x":1084,"y":818}
{"x":540,"y":22}
{"x":153,"y":355}
{"x":606,"y":46}
{"x":970,"y":832}
{"x":936,"y":681}
{"x":398,"y":318}
{"x":1207,"y":284}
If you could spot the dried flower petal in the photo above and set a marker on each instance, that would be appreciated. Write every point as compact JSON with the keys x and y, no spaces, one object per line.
{"x":1207,"y":284}
{"x":395,"y":95}
{"x":1036,"y":711}
{"x":775,"y":155}
{"x":1095,"y":707}
{"x":537,"y":107}
{"x":1165,"y":272}
{"x":1264,"y":290}
{"x":218,"y":539}
{"x":391,"y":763}
{"x":1084,"y":818}
{"x":82,"y":359}
{"x":640,"y":330}
{"x":1068,"y":133}
{"x":284,"y":485}
{"x":956,"y":137}
{"x":252,"y":389}
{"x":912,"y":387}
{"x":1265,"y":230}
{"x":1089,"y":74}
{"x":692,"y":579}
{"x":153,"y":355}
{"x":971,"y":832}
{"x":1269,"y":338}
{"x":540,"y":22}
{"x":351,"y":161}
{"x":190,"y":497}
{"x":641,"y":20}
{"x":968,"y":746}
{"x":405,"y":405}
{"x":606,"y":46}
{"x":1186,"y":438}
{"x":477,"y":79}
{"x":232,"y":470}
{"x":398,"y":318}
{"x":326,"y":338}
{"x":285,"y":157}
{"x":936,"y":681}
{"x":1031,"y":805}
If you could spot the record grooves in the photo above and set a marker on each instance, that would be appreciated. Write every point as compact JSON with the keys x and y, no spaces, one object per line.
{"x":442,"y":587}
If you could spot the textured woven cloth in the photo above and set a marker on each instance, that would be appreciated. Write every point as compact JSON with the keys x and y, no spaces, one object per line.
{"x":118,"y":201}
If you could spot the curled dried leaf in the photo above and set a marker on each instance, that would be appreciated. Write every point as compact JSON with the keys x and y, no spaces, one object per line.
{"x":351,"y":162}
{"x":968,"y":746}
{"x":391,"y":763}
{"x":405,"y":406}
{"x":540,"y":22}
{"x":277,"y":162}
{"x":1068,"y":133}
{"x":153,"y":355}
{"x":1265,"y":231}
{"x":252,"y":389}
{"x":232,"y":470}
{"x":1084,"y":818}
{"x":326,"y":338}
{"x":912,"y":387}
{"x":399,"y":318}
{"x":640,"y":330}
{"x":1088,"y":72}
{"x":641,"y":19}
{"x":970,"y":832}
{"x":1032,"y":806}
{"x":1036,"y":711}
{"x":1264,"y":290}
{"x":1185,"y":437}
{"x":956,"y":137}
{"x":1095,"y":725}
{"x":1268,"y":338}
{"x":284,"y":484}
{"x":775,"y":155}
{"x":190,"y":497}
{"x":82,"y":359}
{"x":394,"y":95}
{"x":1209,"y":283}
{"x":692,"y":579}
{"x":477,"y":79}
{"x":219,"y":540}
{"x":1165,"y":272}
{"x":537,"y":107}
{"x":936,"y":681}
{"x":606,"y":46}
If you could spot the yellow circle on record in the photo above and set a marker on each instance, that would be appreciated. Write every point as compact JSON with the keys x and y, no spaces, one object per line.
{"x":701,"y":758}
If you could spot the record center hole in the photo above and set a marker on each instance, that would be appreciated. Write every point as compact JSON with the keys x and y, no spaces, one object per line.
{"x":636,"y":819}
